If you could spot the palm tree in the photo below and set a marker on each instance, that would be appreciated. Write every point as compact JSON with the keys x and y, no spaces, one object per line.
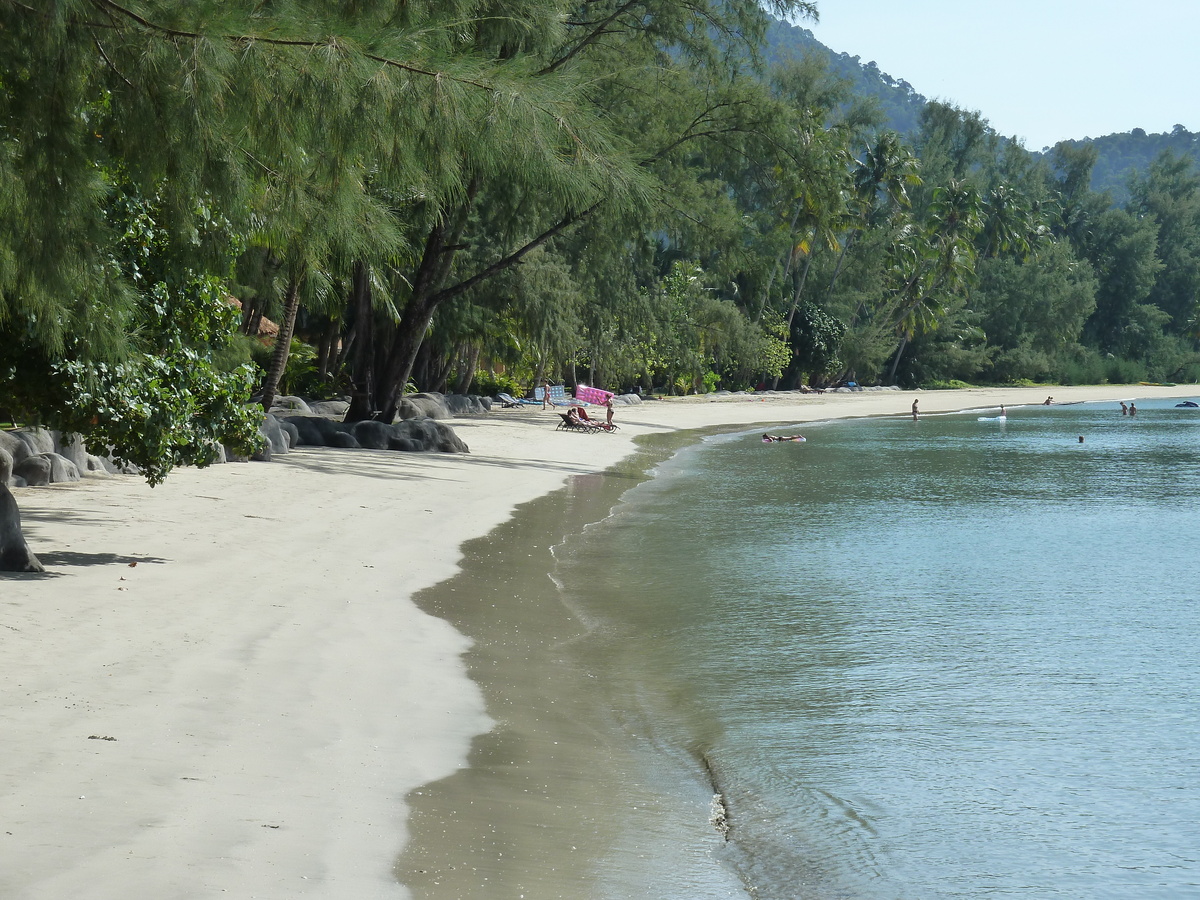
{"x":881,"y":180}
{"x":1007,"y":223}
{"x":936,"y":262}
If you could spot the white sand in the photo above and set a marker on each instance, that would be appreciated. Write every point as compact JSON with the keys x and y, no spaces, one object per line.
{"x":272,"y":692}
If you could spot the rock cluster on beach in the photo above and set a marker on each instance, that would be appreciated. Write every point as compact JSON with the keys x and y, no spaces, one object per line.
{"x":293,"y":422}
{"x":33,"y":456}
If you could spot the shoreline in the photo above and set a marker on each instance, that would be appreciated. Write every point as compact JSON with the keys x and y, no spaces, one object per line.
{"x":271,"y":690}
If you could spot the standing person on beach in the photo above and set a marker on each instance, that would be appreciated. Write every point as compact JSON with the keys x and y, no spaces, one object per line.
{"x":546,"y":404}
{"x":914,"y":410}
{"x":608,"y":413}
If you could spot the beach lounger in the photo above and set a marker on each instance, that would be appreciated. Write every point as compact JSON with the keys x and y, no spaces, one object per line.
{"x":569,"y":423}
{"x":598,"y":425}
{"x":508,"y":401}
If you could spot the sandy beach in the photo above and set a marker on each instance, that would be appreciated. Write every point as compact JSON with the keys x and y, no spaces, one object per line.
{"x":223,"y":685}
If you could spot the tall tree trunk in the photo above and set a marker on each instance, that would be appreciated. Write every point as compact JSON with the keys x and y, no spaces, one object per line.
{"x":362,"y":379}
{"x":467,"y":373}
{"x":410,"y":332}
{"x":796,"y":295}
{"x":283,"y":342}
{"x":891,"y":379}
{"x":438,"y":367}
{"x":325,"y":355}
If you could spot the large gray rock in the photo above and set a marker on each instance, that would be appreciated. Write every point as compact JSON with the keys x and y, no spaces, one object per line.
{"x":345,"y":440}
{"x":61,"y":468}
{"x":71,"y":446}
{"x":466,"y":404}
{"x":448,"y":441}
{"x":431,"y":405}
{"x":404,"y":445}
{"x":15,"y":555}
{"x":308,"y":432}
{"x":374,"y":435}
{"x":34,"y":469}
{"x":426,"y":434}
{"x":293,"y":436}
{"x":291,"y":404}
{"x":28,"y":441}
{"x":16,"y":448}
{"x":274,"y":434}
{"x":332,"y":408}
{"x":40,"y":440}
{"x":419,"y":434}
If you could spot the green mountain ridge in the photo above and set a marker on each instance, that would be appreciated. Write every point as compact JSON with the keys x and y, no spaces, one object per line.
{"x":1119,"y":156}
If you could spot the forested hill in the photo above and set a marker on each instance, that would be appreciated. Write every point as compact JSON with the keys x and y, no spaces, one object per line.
{"x":900,"y":104}
{"x":1119,"y":156}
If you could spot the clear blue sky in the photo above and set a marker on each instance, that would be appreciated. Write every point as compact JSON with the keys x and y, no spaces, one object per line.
{"x":1040,"y":70}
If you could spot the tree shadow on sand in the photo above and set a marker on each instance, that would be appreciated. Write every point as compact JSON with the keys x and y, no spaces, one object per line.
{"x":65,"y":558}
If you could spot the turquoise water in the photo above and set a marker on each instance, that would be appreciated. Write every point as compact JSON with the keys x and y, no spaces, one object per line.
{"x":949,"y":658}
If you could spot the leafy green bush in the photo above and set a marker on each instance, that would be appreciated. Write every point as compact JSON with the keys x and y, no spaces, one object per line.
{"x":952,"y":384}
{"x":487,"y":384}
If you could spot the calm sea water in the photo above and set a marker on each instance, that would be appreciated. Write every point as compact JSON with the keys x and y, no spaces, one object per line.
{"x":950,"y":658}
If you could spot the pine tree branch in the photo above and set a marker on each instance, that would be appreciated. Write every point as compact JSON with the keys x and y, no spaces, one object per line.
{"x":285,"y":42}
{"x":690,"y":134}
{"x":108,"y":62}
{"x":112,"y":8}
{"x":517,"y":255}
{"x":599,"y":29}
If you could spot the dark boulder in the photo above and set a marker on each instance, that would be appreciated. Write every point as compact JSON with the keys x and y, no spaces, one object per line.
{"x":332,"y":408}
{"x":39,"y":440}
{"x":34,"y":469}
{"x":308,"y":432}
{"x":71,"y":447}
{"x":421,"y":432}
{"x":329,"y":428}
{"x":16,"y":448}
{"x":61,"y":468}
{"x":374,"y":435}
{"x":288,"y":403}
{"x":15,"y":555}
{"x":448,"y":441}
{"x":273,"y":434}
{"x":293,"y":435}
{"x":466,"y":404}
{"x":344,"y":439}
{"x":430,"y":405}
{"x":426,"y":435}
